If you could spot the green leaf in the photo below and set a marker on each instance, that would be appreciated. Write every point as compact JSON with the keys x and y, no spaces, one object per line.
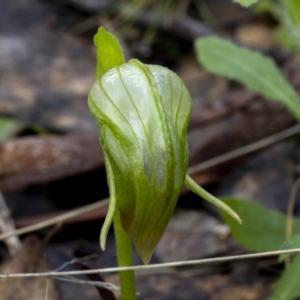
{"x":263,"y":229}
{"x":251,"y":68}
{"x":109,"y":52}
{"x":8,"y":127}
{"x":293,"y":243}
{"x":293,"y":10}
{"x":287,"y":287}
{"x":143,"y":112}
{"x":246,"y":3}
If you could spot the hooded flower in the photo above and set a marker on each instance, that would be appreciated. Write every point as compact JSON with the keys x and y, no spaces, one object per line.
{"x":143,"y":112}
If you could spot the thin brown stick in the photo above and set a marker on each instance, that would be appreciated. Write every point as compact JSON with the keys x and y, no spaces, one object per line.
{"x":52,"y":232}
{"x":154,"y":266}
{"x":245,"y":150}
{"x":55,"y":220}
{"x":105,"y":285}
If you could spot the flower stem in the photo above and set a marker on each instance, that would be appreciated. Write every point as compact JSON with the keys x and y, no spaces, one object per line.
{"x":124,"y":255}
{"x":198,"y":190}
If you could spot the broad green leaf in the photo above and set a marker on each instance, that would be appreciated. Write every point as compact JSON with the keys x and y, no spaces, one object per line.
{"x":109,"y":52}
{"x":143,"y":112}
{"x":251,"y":68}
{"x":263,"y":229}
{"x":293,"y":243}
{"x":293,"y":10}
{"x":7,"y":127}
{"x":246,"y":3}
{"x":288,"y":287}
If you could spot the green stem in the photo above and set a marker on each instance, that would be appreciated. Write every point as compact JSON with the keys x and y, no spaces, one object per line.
{"x":197,"y":189}
{"x":124,"y":255}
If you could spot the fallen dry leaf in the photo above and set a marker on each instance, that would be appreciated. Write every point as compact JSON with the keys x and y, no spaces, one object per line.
{"x":31,"y":258}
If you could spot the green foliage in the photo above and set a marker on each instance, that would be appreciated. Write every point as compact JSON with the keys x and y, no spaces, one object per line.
{"x":7,"y":127}
{"x":263,"y":229}
{"x":293,"y":10}
{"x":287,"y":33}
{"x":246,"y":3}
{"x":109,"y":52}
{"x":125,"y":258}
{"x":251,"y":68}
{"x":287,"y":287}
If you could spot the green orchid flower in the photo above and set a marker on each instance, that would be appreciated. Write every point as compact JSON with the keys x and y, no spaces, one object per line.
{"x":143,"y":113}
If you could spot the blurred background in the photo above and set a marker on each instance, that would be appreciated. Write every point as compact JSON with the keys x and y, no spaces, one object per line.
{"x":51,"y":160}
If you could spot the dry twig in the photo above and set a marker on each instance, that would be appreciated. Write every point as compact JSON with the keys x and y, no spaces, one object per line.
{"x":55,"y":220}
{"x":153,"y":266}
{"x":245,"y":150}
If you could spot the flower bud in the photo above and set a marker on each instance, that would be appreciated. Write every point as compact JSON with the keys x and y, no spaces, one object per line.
{"x":143,"y":113}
